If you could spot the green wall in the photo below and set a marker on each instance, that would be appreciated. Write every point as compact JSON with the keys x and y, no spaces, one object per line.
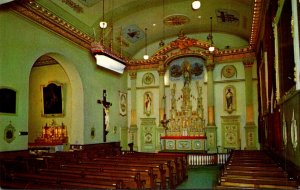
{"x":22,"y":43}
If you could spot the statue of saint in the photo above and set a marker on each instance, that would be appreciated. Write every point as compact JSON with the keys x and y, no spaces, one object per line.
{"x":148,"y":104}
{"x":229,"y":99}
{"x":186,"y":73}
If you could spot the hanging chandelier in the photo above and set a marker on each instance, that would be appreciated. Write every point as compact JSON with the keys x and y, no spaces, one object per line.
{"x":210,"y":38}
{"x":146,"y":56}
{"x":105,"y":57}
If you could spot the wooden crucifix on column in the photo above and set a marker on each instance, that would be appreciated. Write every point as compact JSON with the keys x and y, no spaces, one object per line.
{"x":106,"y":106}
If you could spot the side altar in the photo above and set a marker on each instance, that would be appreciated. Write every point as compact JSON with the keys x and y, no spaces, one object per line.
{"x":184,"y":131}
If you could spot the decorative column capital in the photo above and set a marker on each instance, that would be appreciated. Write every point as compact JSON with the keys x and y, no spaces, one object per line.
{"x":132,"y":75}
{"x":210,"y":67}
{"x":210,"y":63}
{"x":161,"y":68}
{"x":248,"y":63}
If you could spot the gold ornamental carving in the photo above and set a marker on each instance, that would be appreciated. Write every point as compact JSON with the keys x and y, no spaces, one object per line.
{"x":228,"y":71}
{"x":132,"y":75}
{"x":248,"y":63}
{"x":36,"y":12}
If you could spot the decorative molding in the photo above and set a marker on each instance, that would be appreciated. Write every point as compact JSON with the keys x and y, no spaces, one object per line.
{"x":289,"y":94}
{"x":148,"y":79}
{"x":228,"y":71}
{"x":248,"y":63}
{"x":294,"y":132}
{"x":256,"y":22}
{"x":132,"y":75}
{"x":176,"y":20}
{"x":210,"y":67}
{"x":32,"y":10}
{"x":44,"y":17}
{"x":284,"y":130}
{"x":73,"y":5}
{"x":45,"y":61}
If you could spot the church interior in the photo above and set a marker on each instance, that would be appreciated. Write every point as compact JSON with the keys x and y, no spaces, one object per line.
{"x":146,"y":94}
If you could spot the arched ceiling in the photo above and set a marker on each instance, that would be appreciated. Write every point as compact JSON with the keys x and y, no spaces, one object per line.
{"x":233,"y":25}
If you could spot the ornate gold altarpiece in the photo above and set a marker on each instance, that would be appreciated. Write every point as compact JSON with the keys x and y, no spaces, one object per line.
{"x":185,"y":129}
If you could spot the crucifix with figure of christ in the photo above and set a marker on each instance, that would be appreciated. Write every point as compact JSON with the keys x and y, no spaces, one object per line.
{"x":106,"y":106}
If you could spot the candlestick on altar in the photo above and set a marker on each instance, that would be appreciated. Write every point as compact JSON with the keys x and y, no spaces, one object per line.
{"x":164,"y":123}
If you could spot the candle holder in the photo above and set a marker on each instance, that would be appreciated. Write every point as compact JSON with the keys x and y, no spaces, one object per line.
{"x":164,"y":123}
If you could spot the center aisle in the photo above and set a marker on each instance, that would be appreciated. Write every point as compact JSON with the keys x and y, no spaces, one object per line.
{"x":203,"y":177}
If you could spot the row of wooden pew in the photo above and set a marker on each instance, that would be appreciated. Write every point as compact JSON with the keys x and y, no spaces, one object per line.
{"x":69,"y":170}
{"x":253,"y":170}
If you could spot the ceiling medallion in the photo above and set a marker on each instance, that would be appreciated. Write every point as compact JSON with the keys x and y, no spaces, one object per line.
{"x":176,"y":20}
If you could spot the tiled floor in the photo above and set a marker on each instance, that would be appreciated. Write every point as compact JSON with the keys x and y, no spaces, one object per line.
{"x":204,"y":177}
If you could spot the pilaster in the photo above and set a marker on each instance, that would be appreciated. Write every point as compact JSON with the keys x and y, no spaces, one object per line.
{"x":250,"y":127}
{"x":210,"y":130}
{"x":133,"y":136}
{"x":133,"y":120}
{"x":161,"y":71}
{"x":124,"y":138}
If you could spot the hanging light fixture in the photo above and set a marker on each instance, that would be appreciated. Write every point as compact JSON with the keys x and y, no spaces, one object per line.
{"x":102,"y":23}
{"x":210,"y":38}
{"x":162,"y":43}
{"x":146,"y":56}
{"x":105,"y":57}
{"x":196,"y":5}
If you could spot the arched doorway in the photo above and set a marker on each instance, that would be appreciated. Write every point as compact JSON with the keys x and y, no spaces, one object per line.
{"x":55,"y":102}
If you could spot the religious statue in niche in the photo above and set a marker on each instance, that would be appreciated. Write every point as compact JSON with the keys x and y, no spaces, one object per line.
{"x":229,"y":99}
{"x":186,"y":72}
{"x":148,"y":103}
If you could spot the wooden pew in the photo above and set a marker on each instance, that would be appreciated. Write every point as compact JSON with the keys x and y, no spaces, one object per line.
{"x":179,"y":162}
{"x":254,"y":170}
{"x":166,"y":164}
{"x":145,"y":174}
{"x":130,"y":181}
{"x":157,"y":167}
{"x":66,"y":180}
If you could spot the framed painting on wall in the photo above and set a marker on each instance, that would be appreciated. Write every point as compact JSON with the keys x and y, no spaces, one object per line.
{"x":7,"y":101}
{"x":52,"y":100}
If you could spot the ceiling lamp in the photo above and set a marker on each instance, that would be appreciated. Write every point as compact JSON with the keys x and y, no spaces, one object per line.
{"x":107,"y":59}
{"x":146,"y":56}
{"x":210,"y":38}
{"x":102,"y":23}
{"x":196,"y":5}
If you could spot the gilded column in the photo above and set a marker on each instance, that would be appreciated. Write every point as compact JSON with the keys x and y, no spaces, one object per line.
{"x":133,"y":120}
{"x":160,"y":130}
{"x":211,"y":130}
{"x":210,"y":92}
{"x":250,"y":128}
{"x":161,"y":71}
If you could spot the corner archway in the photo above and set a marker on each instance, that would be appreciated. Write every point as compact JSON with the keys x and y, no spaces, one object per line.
{"x":54,"y":68}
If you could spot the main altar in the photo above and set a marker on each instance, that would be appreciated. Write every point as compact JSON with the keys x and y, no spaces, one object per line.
{"x":184,"y":131}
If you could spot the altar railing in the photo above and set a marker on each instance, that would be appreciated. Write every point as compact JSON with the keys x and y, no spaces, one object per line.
{"x":207,"y":159}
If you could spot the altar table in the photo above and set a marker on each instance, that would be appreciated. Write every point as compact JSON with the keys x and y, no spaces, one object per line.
{"x":182,"y":143}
